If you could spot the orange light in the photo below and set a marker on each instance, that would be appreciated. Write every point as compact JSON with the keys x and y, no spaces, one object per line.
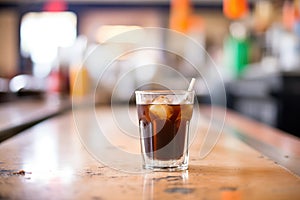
{"x":289,"y":15}
{"x":235,"y":9}
{"x":180,"y":12}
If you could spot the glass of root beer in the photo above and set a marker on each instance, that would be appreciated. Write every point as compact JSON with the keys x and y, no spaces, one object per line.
{"x":164,"y":125}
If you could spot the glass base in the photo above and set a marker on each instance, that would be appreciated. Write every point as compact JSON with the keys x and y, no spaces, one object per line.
{"x":166,"y":169}
{"x":166,"y":166}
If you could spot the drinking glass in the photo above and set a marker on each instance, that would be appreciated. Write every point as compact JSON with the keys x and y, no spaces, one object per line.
{"x":164,"y":125}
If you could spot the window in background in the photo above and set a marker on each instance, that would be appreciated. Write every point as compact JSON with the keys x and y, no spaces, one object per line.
{"x":42,"y":33}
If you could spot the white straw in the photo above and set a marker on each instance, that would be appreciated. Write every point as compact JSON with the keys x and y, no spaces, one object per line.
{"x":191,"y":87}
{"x":192,"y":83}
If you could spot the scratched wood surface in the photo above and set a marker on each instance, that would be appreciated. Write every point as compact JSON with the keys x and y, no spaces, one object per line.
{"x":49,"y":161}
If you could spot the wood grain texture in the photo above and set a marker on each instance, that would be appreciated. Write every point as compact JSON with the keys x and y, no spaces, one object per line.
{"x":57,"y":166}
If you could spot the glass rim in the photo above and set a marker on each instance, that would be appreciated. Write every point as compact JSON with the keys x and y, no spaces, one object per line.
{"x":164,"y":92}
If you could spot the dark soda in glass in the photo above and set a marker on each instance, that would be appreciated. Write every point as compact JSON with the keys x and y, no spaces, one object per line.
{"x":164,"y":130}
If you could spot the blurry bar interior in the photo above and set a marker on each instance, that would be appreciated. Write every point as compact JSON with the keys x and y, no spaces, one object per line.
{"x":255,"y":45}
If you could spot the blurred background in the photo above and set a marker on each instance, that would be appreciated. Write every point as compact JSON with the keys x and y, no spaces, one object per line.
{"x":255,"y":44}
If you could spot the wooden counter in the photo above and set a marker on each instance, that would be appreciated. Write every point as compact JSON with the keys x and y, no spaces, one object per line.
{"x":56,"y":165}
{"x":19,"y":115}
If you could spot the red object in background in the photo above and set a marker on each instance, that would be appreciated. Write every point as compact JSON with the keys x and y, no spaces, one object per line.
{"x":54,"y":82}
{"x":58,"y":81}
{"x":235,"y":9}
{"x":55,"y":6}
